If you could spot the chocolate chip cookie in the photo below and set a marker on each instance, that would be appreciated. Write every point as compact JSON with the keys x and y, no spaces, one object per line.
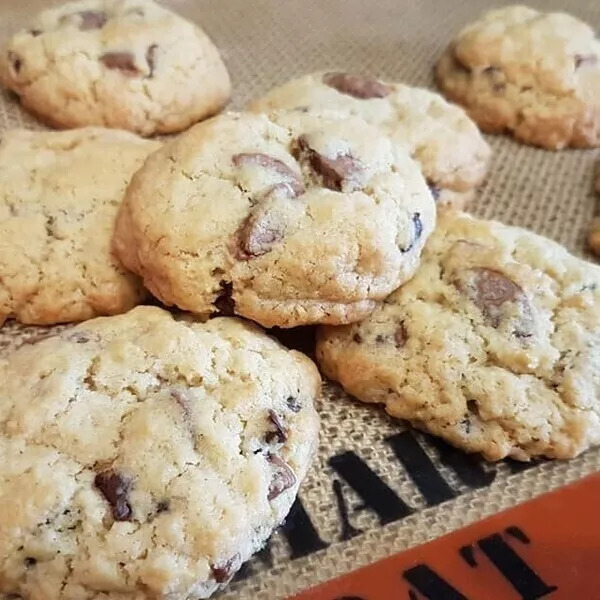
{"x":151,"y":458}
{"x":531,"y":73}
{"x":494,"y":345}
{"x":128,"y":64}
{"x":59,"y":197}
{"x":288,"y":220}
{"x":438,"y":135}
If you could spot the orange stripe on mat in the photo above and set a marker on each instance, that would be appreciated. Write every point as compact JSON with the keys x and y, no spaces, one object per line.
{"x":548,"y":547}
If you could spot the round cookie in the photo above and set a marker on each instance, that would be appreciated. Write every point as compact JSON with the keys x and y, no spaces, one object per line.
{"x":152,"y":457}
{"x":128,"y":64}
{"x":59,"y":197}
{"x":439,"y":136}
{"x":494,"y":345}
{"x":288,"y":220}
{"x":534,"y":74}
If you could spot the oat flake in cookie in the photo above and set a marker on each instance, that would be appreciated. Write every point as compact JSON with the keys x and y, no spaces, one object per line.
{"x":129,"y":64}
{"x":151,"y":457}
{"x":531,"y":73}
{"x":438,"y":135}
{"x":288,"y":220}
{"x":59,"y":197}
{"x":494,"y":345}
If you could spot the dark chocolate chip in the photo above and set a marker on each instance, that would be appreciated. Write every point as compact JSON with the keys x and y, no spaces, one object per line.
{"x":114,"y":488}
{"x":400,"y":336}
{"x":294,"y":404}
{"x":120,"y":61}
{"x":257,"y":234}
{"x":224,"y":302}
{"x":282,"y":479}
{"x":588,"y":60}
{"x":357,"y":86}
{"x":151,"y":59}
{"x":222,"y":572}
{"x":357,"y":338}
{"x":280,"y":433}
{"x":334,"y":173}
{"x":270,"y":163}
{"x":473,"y":407}
{"x":15,"y":61}
{"x":91,"y":19}
{"x":379,"y":339}
{"x":30,"y":561}
{"x":162,"y":506}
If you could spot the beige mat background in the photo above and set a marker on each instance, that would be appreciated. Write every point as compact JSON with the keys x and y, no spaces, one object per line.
{"x":266,"y":42}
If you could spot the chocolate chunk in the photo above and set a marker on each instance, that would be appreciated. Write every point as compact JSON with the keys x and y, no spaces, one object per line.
{"x":224,"y":302}
{"x":270,"y":163}
{"x":489,"y":290}
{"x":30,"y":561}
{"x":91,"y":19}
{"x":115,"y":488}
{"x":15,"y":61}
{"x":587,"y":60}
{"x":334,"y":173}
{"x":257,"y":235}
{"x":222,"y":572}
{"x":282,"y":479}
{"x":357,"y":86}
{"x":162,"y":506}
{"x":151,"y":59}
{"x":120,"y":61}
{"x":400,"y":336}
{"x":473,"y":407}
{"x":280,"y":434}
{"x":294,"y":404}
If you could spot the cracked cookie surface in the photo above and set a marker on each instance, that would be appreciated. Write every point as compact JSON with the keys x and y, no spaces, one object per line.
{"x":534,"y":74}
{"x":128,"y":64}
{"x":439,"y":136}
{"x":59,"y":196}
{"x":494,"y":345}
{"x":152,"y":457}
{"x":287,"y":220}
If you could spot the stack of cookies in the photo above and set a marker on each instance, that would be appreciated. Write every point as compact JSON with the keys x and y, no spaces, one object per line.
{"x":149,"y":452}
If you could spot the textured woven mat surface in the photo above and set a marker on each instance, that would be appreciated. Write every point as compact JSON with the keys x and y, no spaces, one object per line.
{"x":366,"y":496}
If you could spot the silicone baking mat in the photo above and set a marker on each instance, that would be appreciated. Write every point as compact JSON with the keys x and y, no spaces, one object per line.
{"x":376,"y":487}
